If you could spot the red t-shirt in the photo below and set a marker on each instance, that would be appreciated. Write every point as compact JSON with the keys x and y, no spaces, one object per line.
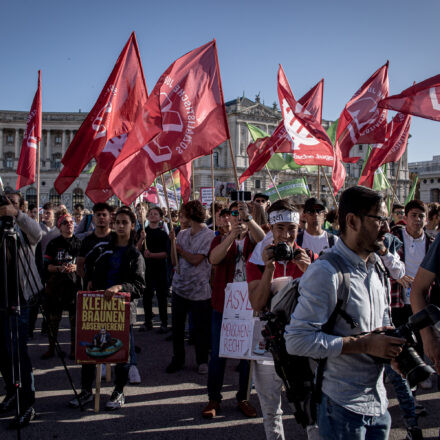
{"x":286,"y":269}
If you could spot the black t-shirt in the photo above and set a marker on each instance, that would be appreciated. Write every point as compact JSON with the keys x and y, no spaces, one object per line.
{"x":157,"y":241}
{"x":60,"y":251}
{"x":89,"y":242}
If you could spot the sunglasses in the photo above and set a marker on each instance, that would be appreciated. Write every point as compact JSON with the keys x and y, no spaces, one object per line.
{"x":66,"y":222}
{"x":260,"y":200}
{"x":235,"y":213}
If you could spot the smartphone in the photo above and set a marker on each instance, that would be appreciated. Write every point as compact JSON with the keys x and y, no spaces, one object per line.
{"x":241,"y":196}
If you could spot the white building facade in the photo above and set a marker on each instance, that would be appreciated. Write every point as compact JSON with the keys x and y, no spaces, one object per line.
{"x":429,"y":178}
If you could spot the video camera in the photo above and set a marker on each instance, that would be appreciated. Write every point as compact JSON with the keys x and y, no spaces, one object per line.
{"x":409,"y":361}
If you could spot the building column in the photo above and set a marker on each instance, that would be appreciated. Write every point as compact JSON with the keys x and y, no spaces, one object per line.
{"x":63,"y":143}
{"x":16,"y":144}
{"x":48,"y":149}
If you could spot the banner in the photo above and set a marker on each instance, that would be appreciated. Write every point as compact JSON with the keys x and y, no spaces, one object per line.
{"x":102,"y":328}
{"x":290,"y":188}
{"x":240,"y":336}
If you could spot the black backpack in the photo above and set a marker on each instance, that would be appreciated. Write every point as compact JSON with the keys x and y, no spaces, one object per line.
{"x":301,"y":377}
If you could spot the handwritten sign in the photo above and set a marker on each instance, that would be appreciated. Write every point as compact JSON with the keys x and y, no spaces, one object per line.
{"x":240,"y":336}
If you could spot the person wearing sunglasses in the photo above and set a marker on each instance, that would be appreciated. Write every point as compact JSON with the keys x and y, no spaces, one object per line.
{"x":314,"y":237}
{"x":62,"y":280}
{"x":262,"y":200}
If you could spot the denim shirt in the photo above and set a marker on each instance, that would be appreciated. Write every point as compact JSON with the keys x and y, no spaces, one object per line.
{"x":353,"y":381}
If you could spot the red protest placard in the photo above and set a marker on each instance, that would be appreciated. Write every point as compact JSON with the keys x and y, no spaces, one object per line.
{"x":102,"y":328}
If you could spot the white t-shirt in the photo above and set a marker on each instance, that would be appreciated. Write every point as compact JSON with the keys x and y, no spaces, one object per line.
{"x":316,"y":243}
{"x":414,"y":254}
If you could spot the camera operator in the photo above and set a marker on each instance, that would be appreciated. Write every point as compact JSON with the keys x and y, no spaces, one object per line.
{"x":28,"y":234}
{"x":284,"y":223}
{"x":354,"y":401}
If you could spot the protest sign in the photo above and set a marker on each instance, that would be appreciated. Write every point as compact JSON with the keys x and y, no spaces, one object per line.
{"x":206,"y":196}
{"x":240,"y":336}
{"x":102,"y":328}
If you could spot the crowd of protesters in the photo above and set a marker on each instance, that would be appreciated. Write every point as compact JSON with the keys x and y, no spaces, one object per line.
{"x":187,"y":259}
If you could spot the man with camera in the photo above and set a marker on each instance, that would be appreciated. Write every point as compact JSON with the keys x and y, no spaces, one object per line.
{"x":28,"y":234}
{"x":281,"y":259}
{"x":354,"y":402}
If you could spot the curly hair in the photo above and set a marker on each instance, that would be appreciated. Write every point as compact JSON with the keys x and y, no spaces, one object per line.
{"x":194,"y":211}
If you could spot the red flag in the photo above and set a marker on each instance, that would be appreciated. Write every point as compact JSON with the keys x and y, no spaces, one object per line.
{"x":422,"y":99}
{"x":391,"y":151}
{"x":31,"y":138}
{"x":113,"y":115}
{"x":185,"y":182}
{"x":184,"y":118}
{"x":362,"y":121}
{"x":311,"y":145}
{"x":260,"y":151}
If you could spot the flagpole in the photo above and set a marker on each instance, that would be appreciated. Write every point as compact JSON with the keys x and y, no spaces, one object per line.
{"x":193,"y":189}
{"x":330,"y":187}
{"x":38,"y":182}
{"x":397,"y":179}
{"x":175,"y":190}
{"x":233,"y":164}
{"x":173,"y":242}
{"x":273,"y":181}
{"x":212,"y":190}
{"x":319,"y":182}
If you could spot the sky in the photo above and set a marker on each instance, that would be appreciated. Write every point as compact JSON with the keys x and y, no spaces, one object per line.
{"x":76,"y":44}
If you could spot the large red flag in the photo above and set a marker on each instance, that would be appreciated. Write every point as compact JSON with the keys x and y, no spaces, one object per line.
{"x":184,"y":118}
{"x":260,"y":151}
{"x":31,"y":138}
{"x":113,"y":115}
{"x":185,"y":181}
{"x":362,"y":121}
{"x":422,"y":99}
{"x":391,"y":151}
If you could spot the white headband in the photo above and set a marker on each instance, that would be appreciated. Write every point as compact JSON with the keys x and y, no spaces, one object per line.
{"x":284,"y":216}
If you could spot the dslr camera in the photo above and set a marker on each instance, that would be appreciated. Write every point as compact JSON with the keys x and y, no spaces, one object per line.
{"x":409,"y":361}
{"x":283,"y":252}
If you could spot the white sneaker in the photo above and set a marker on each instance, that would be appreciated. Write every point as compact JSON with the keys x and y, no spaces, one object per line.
{"x":203,"y":369}
{"x":133,"y":375}
{"x":426,"y":384}
{"x":116,"y":401}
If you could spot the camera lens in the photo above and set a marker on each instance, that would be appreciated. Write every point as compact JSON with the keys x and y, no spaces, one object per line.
{"x":413,"y":366}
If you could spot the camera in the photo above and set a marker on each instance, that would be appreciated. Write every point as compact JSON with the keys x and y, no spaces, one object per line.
{"x":6,"y":222}
{"x":409,"y":361}
{"x":283,"y":252}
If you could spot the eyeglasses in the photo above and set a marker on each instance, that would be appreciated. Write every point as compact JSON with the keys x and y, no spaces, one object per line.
{"x":382,"y":220}
{"x":260,"y":200}
{"x":66,"y":222}
{"x":235,"y":213}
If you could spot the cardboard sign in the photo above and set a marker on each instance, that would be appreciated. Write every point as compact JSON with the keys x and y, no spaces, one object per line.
{"x":240,"y":336}
{"x":102,"y":328}
{"x":206,"y":196}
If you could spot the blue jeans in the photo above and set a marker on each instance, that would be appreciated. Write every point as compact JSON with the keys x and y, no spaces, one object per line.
{"x":404,"y":396}
{"x":337,"y":423}
{"x":216,"y":370}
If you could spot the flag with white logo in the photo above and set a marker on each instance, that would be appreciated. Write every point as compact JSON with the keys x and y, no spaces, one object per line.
{"x":31,"y":138}
{"x":112,"y":116}
{"x":184,"y":118}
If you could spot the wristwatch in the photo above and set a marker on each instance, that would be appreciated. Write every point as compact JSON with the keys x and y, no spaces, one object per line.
{"x":248,"y":219}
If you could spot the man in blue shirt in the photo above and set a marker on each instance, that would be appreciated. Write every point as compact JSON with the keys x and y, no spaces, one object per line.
{"x":354,"y":402}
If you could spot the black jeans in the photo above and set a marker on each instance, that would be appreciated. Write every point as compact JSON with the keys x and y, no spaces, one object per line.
{"x":158,"y":284}
{"x":27,"y":391}
{"x":201,"y":315}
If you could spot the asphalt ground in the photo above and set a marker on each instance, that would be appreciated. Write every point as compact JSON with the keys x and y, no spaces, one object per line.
{"x":163,"y":406}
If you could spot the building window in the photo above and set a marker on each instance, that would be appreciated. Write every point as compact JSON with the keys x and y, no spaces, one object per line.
{"x":58,"y":140}
{"x":54,"y":197}
{"x":215,"y":159}
{"x":10,"y":139}
{"x":56,"y":161}
{"x":361,"y":147}
{"x":78,"y":196}
{"x":257,"y":183}
{"x":31,"y":196}
{"x":9,"y":160}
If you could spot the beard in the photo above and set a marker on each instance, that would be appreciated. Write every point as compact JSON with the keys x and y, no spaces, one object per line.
{"x":368,"y":244}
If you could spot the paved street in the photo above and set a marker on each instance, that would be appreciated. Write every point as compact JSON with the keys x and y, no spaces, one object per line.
{"x":163,"y":406}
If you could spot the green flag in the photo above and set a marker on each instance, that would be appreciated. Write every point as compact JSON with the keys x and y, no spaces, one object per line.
{"x":331,"y":131}
{"x":380,"y":181}
{"x":412,"y":191}
{"x":292,"y":187}
{"x":256,"y":133}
